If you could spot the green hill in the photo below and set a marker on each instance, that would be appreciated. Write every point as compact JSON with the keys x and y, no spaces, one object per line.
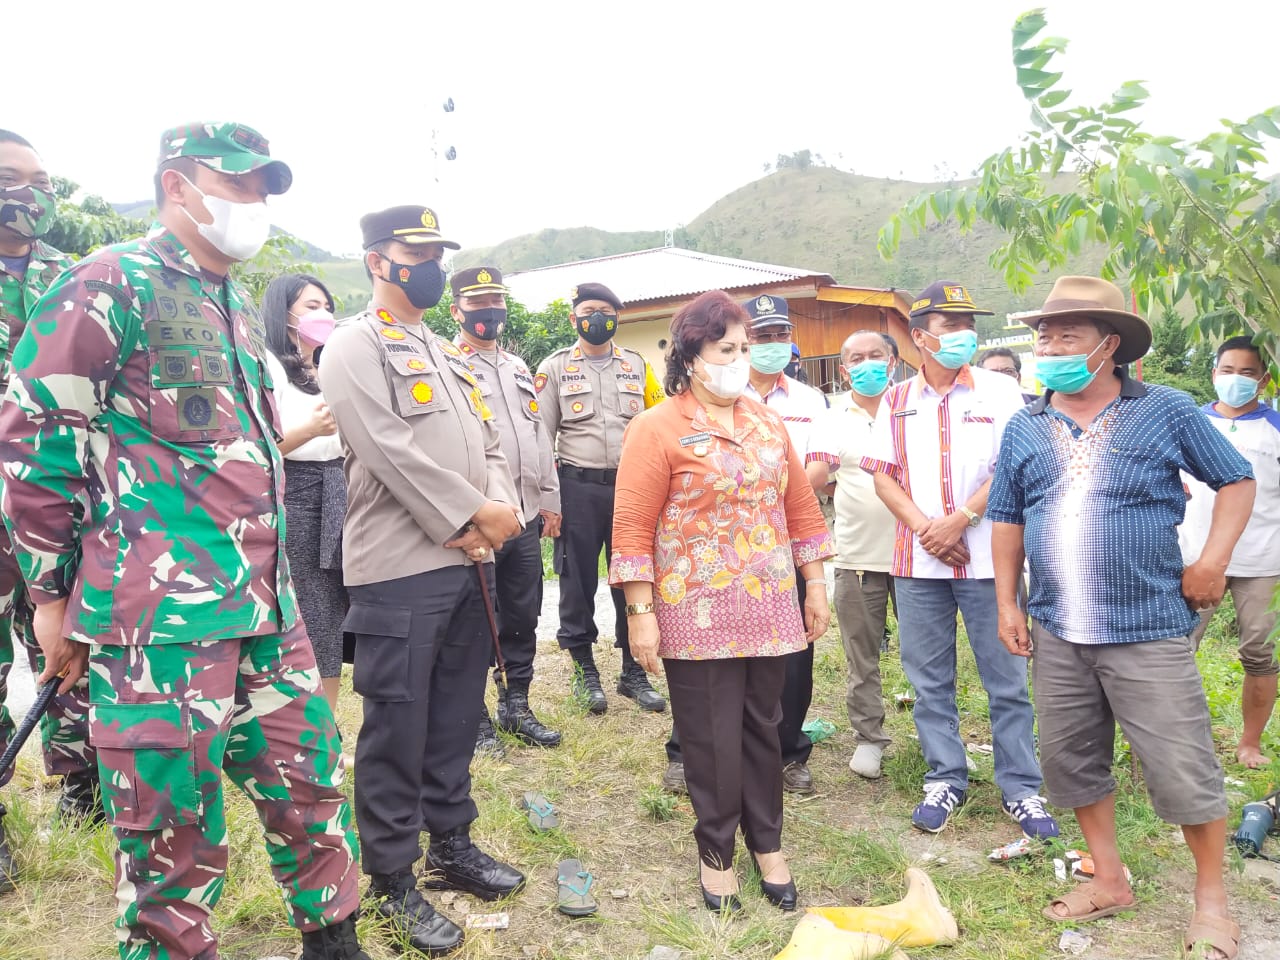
{"x":818,"y":218}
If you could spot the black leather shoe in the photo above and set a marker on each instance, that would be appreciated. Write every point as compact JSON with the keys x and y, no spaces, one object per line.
{"x":8,"y":871}
{"x":586,"y":685}
{"x":336,"y":941}
{"x":673,"y":779}
{"x":397,"y":899}
{"x":516,"y":718}
{"x":781,"y":895}
{"x":728,"y":903}
{"x":81,"y":799}
{"x":487,"y":740}
{"x":634,"y":683}
{"x":796,"y":778}
{"x":455,"y":863}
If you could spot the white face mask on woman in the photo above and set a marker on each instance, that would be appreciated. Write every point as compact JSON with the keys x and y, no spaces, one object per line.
{"x":238,"y":230}
{"x":726,"y":380}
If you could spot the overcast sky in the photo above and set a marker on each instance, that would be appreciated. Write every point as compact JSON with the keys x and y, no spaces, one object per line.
{"x":619,"y":115}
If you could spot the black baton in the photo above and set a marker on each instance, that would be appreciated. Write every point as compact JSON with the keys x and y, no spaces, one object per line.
{"x":38,"y":707}
{"x":493,"y":622}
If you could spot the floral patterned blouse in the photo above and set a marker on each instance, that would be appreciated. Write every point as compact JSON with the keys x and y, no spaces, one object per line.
{"x":718,"y":524}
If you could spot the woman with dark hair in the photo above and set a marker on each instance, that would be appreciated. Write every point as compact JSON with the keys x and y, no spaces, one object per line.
{"x":298,"y":312}
{"x":713,"y":515}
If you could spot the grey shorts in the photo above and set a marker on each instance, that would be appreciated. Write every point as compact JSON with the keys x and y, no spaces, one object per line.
{"x":1153,"y":690}
{"x":1256,"y":620}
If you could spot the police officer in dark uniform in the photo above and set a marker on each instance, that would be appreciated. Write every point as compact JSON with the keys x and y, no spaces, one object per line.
{"x":588,"y":393}
{"x":480,"y":308}
{"x":429,"y":500}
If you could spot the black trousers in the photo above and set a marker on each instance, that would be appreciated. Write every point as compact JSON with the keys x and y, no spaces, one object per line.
{"x":727,"y":713}
{"x":586,"y":527}
{"x":422,"y":647}
{"x":518,"y":571}
{"x":797,"y":694}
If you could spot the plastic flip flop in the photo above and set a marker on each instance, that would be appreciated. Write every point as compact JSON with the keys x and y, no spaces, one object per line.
{"x":542,"y":815}
{"x":573,"y":894}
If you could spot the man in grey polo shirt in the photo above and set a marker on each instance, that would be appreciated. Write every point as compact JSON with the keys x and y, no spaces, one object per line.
{"x":1088,"y":487}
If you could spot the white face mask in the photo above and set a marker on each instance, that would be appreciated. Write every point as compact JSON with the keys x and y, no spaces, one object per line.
{"x":238,"y":230}
{"x":726,"y":380}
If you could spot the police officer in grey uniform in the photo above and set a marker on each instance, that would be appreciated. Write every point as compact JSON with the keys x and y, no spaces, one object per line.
{"x":588,"y":393}
{"x":480,"y":308}
{"x":429,"y":500}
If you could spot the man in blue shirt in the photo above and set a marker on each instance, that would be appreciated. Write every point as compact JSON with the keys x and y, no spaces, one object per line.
{"x":1088,"y":488}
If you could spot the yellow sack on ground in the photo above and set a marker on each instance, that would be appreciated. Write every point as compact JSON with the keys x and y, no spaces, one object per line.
{"x":817,"y":939}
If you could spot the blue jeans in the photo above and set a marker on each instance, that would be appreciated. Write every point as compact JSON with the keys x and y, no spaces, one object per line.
{"x":927,"y":638}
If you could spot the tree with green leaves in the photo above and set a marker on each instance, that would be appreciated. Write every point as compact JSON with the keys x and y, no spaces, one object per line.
{"x":81,"y":227}
{"x":1190,"y":224}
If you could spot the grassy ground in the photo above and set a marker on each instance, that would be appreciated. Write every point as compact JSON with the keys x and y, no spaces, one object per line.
{"x":848,"y":844}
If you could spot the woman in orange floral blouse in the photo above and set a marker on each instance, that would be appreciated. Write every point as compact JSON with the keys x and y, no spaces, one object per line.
{"x":712,"y":518}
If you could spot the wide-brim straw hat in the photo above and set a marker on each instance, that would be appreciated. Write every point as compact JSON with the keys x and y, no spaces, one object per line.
{"x":1101,"y":300}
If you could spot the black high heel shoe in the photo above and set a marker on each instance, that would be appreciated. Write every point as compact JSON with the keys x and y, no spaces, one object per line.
{"x":781,"y":895}
{"x":726,"y":903}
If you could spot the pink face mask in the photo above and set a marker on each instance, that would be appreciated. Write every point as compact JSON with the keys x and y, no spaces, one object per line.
{"x":315,"y":326}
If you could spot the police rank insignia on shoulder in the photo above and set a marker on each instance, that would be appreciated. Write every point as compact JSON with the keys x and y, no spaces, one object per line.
{"x":450,"y":348}
{"x":539,"y":382}
{"x":392,"y":333}
{"x":384,"y":316}
{"x":421,"y":392}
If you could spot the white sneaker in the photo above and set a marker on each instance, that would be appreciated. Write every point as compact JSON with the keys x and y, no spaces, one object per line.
{"x":865,"y":761}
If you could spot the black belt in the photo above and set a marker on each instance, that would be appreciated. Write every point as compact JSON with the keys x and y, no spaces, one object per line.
{"x":588,"y":474}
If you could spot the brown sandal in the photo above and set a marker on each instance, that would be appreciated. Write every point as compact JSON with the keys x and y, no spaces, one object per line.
{"x":1220,"y":933}
{"x":1086,"y":903}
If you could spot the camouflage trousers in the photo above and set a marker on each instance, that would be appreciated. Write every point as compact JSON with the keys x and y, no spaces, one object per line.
{"x":64,"y":728}
{"x":168,"y":720}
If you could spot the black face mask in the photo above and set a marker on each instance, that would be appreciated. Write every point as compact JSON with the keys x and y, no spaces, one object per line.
{"x":596,"y":328}
{"x":422,"y":283}
{"x":485,"y":323}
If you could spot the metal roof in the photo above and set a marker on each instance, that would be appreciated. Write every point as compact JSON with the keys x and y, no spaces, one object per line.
{"x":655,"y":274}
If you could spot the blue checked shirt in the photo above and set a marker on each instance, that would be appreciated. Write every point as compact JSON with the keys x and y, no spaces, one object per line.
{"x":1101,"y":509}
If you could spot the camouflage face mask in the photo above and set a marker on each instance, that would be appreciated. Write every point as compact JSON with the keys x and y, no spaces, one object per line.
{"x":26,"y":210}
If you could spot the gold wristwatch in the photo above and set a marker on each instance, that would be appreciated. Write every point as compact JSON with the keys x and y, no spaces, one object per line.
{"x":974,"y":518}
{"x":634,"y":609}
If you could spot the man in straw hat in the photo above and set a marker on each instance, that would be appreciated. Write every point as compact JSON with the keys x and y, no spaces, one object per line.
{"x":1088,"y":487}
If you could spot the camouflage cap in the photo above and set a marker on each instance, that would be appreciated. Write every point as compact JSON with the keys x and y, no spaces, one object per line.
{"x":228,"y":148}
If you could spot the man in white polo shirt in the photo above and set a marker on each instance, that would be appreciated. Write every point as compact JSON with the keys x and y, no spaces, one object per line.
{"x":933,"y":451}
{"x":1253,"y":575}
{"x":864,"y":530}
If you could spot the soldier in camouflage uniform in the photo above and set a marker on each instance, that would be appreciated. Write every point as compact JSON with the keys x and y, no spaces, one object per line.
{"x":138,"y":447}
{"x":27,"y":267}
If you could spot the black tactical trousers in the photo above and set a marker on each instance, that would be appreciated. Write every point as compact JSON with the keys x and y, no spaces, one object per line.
{"x":586,"y":527}
{"x":519,"y":599}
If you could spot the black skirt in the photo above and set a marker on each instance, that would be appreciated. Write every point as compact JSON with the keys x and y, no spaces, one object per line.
{"x":315,"y":502}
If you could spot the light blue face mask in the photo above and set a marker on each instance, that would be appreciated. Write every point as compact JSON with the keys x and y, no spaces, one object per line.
{"x":1234,"y":389}
{"x":869,"y":378}
{"x":770,"y":357}
{"x":1069,"y":374}
{"x":954,"y":349}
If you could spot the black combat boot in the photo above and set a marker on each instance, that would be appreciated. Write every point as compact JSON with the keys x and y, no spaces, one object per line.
{"x":586,"y":681}
{"x":487,"y":740}
{"x":8,"y":871}
{"x":454,"y":863}
{"x":516,"y":717}
{"x":397,"y":898}
{"x":634,"y":683}
{"x":81,"y":799}
{"x":334,"y":942}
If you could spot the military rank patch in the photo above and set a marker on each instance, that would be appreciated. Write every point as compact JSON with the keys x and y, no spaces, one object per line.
{"x":539,"y":382}
{"x":421,"y":392}
{"x":449,"y":348}
{"x":416,"y":364}
{"x":384,"y":316}
{"x":392,"y":333}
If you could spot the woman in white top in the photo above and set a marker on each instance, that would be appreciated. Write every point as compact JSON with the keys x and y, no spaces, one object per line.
{"x":298,"y":312}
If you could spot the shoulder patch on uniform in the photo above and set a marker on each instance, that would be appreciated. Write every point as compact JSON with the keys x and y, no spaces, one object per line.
{"x":384,"y":315}
{"x":539,"y":382}
{"x":111,"y":290}
{"x":449,"y":348}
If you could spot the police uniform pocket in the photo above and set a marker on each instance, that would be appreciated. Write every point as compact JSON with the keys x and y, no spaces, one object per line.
{"x":146,"y":762}
{"x":629,"y":403}
{"x":528,"y":399}
{"x":382,"y":651}
{"x":577,"y":402}
{"x":415,"y":382}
